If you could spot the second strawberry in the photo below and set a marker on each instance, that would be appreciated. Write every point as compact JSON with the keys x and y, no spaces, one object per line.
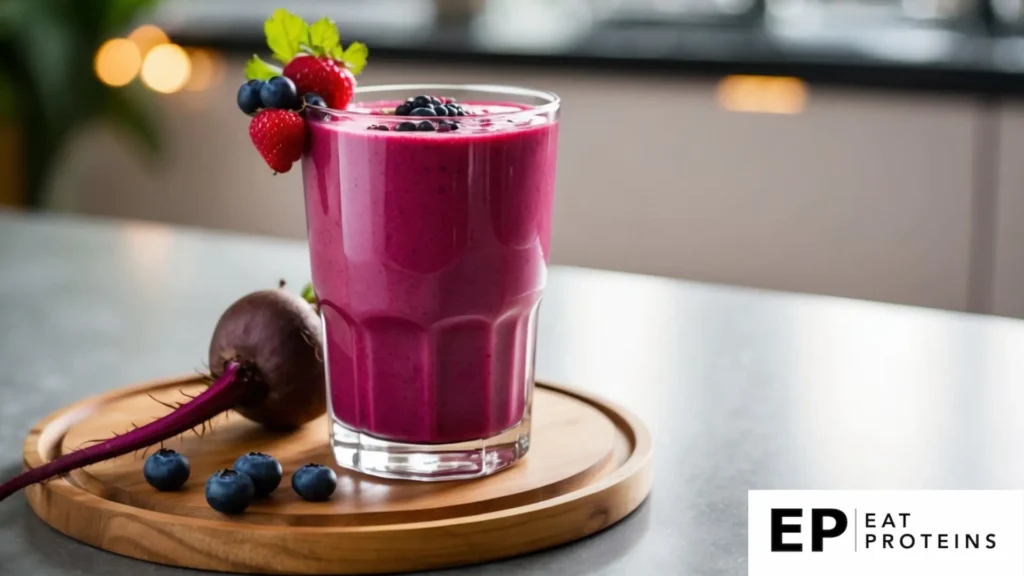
{"x":322,"y":75}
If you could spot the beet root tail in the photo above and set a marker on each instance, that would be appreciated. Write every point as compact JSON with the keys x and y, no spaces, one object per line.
{"x":227,"y":391}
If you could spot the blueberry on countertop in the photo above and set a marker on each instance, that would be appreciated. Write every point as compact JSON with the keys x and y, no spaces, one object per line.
{"x":314,"y":482}
{"x":166,"y":470}
{"x":230,"y":492}
{"x":263,"y":469}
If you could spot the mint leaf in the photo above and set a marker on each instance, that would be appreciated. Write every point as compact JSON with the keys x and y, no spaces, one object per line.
{"x":355,"y":56}
{"x":337,"y":53}
{"x":323,"y":37}
{"x":257,"y":69}
{"x":286,"y":34}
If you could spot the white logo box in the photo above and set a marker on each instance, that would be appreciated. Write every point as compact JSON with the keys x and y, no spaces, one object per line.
{"x":898,"y":533}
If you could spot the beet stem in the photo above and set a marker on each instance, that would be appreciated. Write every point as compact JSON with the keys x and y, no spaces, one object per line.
{"x":226,"y":392}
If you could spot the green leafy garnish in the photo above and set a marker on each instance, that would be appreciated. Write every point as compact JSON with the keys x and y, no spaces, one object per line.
{"x":323,"y":37}
{"x":355,"y":57}
{"x":286,"y":33}
{"x":288,"y":36}
{"x":257,"y":69}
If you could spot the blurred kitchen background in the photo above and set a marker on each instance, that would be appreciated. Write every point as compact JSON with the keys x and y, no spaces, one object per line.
{"x":862,"y":148}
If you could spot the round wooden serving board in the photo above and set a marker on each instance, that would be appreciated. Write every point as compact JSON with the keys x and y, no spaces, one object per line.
{"x":589,"y":466}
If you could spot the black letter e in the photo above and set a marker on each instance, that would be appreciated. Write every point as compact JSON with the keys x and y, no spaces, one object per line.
{"x":779,"y":528}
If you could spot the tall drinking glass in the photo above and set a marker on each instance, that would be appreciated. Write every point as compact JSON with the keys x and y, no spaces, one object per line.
{"x":429,"y":251}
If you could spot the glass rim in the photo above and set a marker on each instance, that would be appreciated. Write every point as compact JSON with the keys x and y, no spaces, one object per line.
{"x":553,"y":101}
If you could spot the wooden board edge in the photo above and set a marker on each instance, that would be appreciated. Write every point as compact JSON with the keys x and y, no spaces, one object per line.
{"x":587,"y":510}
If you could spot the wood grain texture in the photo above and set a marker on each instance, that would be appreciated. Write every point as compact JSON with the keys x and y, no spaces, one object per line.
{"x":589,"y":466}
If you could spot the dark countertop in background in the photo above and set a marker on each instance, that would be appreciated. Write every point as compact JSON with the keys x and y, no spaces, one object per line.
{"x":970,"y":57}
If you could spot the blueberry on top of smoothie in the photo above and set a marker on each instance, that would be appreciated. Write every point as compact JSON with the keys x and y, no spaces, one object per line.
{"x":405,"y":127}
{"x":249,"y":100}
{"x":313,"y":99}
{"x":425,"y":105}
{"x":425,"y":126}
{"x":279,"y":92}
{"x":447,"y":126}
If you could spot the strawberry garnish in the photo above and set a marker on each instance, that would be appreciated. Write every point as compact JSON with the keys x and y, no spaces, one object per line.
{"x":322,"y":75}
{"x":321,"y":70}
{"x":279,"y":136}
{"x":312,"y":56}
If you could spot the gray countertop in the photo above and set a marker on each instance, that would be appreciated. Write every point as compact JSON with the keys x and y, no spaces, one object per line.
{"x":741,"y":388}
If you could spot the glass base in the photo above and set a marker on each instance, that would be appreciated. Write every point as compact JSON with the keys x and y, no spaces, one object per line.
{"x":429,"y":462}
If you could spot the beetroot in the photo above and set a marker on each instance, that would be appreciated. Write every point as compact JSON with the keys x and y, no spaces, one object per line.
{"x":279,"y":333}
{"x":266,"y":363}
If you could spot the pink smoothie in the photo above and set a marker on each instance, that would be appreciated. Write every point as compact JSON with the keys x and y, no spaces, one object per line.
{"x":429,"y":255}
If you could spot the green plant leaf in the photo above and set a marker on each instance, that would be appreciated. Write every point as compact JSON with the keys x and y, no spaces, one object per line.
{"x":46,"y":53}
{"x":355,"y":57}
{"x":337,"y":53}
{"x":286,"y":34}
{"x":118,"y":14}
{"x":49,"y":53}
{"x":257,"y":69}
{"x":323,"y":37}
{"x":8,"y":97}
{"x":12,"y":15}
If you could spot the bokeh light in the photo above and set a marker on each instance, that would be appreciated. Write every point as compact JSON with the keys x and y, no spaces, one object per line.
{"x":207,"y":69}
{"x":762,"y":94}
{"x":147,"y":37}
{"x":117,"y":62}
{"x":166,"y":68}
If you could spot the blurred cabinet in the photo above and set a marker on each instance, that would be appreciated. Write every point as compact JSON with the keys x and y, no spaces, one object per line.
{"x":1008,"y":286}
{"x":864,"y":195}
